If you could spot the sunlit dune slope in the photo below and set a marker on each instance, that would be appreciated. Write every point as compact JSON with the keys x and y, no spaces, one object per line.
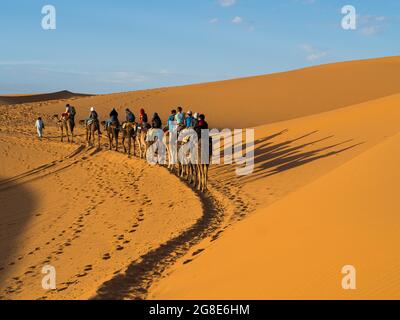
{"x":264,"y":99}
{"x":296,"y":248}
{"x":324,"y":189}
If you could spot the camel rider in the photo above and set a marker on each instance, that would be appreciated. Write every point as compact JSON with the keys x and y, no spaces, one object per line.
{"x":189,"y":120}
{"x":156,"y":121}
{"x":130,"y":117}
{"x":113,"y":118}
{"x":93,"y":117}
{"x":195,"y":120}
{"x":170,"y":121}
{"x":93,"y":114}
{"x":143,"y":119}
{"x":180,"y":119}
{"x":202,"y":125}
{"x":70,"y":110}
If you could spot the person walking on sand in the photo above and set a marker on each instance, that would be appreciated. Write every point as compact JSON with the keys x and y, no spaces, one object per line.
{"x":39,"y":127}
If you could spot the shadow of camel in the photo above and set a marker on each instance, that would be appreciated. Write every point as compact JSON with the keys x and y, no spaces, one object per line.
{"x":17,"y":204}
{"x":274,"y":158}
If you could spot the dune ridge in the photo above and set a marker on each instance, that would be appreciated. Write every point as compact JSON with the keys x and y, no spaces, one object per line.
{"x":19,"y":99}
{"x":255,"y":101}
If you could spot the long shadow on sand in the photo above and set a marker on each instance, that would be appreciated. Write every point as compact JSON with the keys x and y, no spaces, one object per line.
{"x":17,"y":204}
{"x":274,"y":158}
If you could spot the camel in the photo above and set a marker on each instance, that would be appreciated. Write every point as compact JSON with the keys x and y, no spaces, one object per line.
{"x":112,"y":133}
{"x":196,"y":173}
{"x":141,"y":142}
{"x":129,"y":131}
{"x":92,"y":126}
{"x":202,"y":171}
{"x":171,"y":152}
{"x":67,"y":124}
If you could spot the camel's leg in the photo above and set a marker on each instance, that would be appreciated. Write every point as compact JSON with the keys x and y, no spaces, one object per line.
{"x":116,"y":139}
{"x":98,"y":139}
{"x":200,"y":177}
{"x":129,"y":145}
{"x":110,"y":139}
{"x":67,"y":132}
{"x":190,"y":173}
{"x":123,"y":141}
{"x":205,"y":182}
{"x":140,"y":148}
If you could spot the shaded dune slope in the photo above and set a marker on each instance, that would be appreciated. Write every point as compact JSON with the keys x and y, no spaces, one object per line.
{"x":19,"y":99}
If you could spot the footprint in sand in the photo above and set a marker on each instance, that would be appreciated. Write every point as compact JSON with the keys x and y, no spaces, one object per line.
{"x":106,"y":256}
{"x":88,"y":268}
{"x":197,"y":252}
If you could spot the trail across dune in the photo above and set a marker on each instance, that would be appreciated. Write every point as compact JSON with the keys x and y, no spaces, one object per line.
{"x":92,"y":214}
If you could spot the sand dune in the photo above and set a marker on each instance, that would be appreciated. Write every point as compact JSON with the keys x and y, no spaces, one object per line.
{"x":261,"y":100}
{"x":322,"y":195}
{"x":19,"y":99}
{"x":296,"y":248}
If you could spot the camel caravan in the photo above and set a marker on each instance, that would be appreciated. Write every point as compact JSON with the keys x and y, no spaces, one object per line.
{"x":183,"y":145}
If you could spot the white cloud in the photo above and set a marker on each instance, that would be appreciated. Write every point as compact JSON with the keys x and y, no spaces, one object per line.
{"x":313,"y":54}
{"x":237,"y":20}
{"x":214,"y":20}
{"x":371,"y":25}
{"x":226,"y":3}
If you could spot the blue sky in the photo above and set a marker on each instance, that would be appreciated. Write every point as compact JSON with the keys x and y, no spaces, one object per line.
{"x":109,"y":46}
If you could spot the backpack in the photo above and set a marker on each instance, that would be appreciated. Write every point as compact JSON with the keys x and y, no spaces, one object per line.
{"x":72,"y":111}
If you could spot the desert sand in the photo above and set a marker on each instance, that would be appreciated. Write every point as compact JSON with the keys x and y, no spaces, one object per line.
{"x":322,"y":195}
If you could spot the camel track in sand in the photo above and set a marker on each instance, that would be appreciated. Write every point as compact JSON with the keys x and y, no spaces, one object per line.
{"x":144,"y":272}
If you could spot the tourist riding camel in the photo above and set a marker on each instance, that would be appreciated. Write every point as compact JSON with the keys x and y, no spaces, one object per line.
{"x":202,"y":125}
{"x":189,"y":120}
{"x":130,"y":116}
{"x":171,"y":121}
{"x":92,"y":125}
{"x":143,"y":120}
{"x":70,"y":110}
{"x":156,"y":122}
{"x":180,"y":119}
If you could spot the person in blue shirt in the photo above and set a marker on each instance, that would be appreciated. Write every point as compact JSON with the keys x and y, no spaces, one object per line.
{"x":180,"y":118}
{"x":130,"y":117}
{"x":189,"y":120}
{"x":171,"y":121}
